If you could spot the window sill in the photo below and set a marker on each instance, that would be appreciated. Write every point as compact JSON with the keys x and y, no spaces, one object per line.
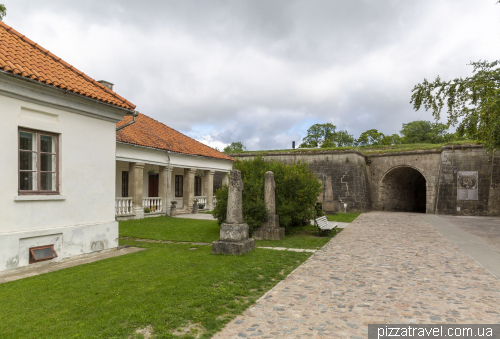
{"x":39,"y":197}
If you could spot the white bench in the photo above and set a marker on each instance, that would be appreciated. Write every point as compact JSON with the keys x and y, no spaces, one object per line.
{"x":324,"y":226}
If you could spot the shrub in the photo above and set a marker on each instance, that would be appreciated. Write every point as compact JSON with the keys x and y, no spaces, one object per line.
{"x":297,"y":190}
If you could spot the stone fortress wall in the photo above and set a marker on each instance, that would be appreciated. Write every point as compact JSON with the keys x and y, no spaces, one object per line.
{"x":415,"y":181}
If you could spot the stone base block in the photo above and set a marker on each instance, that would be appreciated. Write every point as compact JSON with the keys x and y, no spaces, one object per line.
{"x":267,"y":233}
{"x":233,"y":247}
{"x":273,"y":221}
{"x":234,"y":232}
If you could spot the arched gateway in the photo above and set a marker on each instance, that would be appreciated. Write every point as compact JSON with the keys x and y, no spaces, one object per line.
{"x":403,"y":189}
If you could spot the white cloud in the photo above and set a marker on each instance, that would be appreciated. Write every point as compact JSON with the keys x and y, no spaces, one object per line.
{"x":263,"y":72}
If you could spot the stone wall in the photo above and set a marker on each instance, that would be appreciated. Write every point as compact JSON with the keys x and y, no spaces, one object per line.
{"x":384,"y":167}
{"x":455,"y":159}
{"x":416,"y":181}
{"x":343,"y":174}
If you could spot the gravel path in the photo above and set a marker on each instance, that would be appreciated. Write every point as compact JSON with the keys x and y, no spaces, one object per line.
{"x":383,"y":268}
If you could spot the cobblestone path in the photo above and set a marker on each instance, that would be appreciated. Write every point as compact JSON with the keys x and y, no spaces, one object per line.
{"x":384,"y":268}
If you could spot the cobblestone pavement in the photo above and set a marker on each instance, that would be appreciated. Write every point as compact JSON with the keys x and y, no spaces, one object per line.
{"x":384,"y":268}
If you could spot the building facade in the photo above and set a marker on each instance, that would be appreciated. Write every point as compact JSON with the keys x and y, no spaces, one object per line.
{"x":157,"y":165}
{"x":58,"y":160}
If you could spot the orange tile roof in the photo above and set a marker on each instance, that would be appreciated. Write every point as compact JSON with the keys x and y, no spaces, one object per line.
{"x":150,"y":133}
{"x":19,"y":55}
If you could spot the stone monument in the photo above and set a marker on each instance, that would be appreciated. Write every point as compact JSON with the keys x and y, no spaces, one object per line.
{"x":270,"y":230}
{"x":234,"y":233}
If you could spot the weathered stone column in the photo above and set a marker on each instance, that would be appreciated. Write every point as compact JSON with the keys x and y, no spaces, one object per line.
{"x":208,"y":188}
{"x":136,"y":182}
{"x":162,"y":188}
{"x":188,"y":189}
{"x":225,"y":179}
{"x":270,"y":230}
{"x":234,"y":233}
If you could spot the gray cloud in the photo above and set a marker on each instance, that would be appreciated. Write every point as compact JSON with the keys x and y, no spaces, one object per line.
{"x":261,"y":72}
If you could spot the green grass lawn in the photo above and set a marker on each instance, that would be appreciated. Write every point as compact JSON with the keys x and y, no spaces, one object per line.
{"x":343,"y":217}
{"x":177,"y":229}
{"x":174,"y":229}
{"x":168,"y":287}
{"x":302,"y":237}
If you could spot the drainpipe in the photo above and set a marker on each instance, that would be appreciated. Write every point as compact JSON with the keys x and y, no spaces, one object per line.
{"x":168,"y":184}
{"x":134,"y":114}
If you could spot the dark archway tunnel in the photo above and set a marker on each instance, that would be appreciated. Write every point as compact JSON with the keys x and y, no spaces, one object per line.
{"x":404,"y":190}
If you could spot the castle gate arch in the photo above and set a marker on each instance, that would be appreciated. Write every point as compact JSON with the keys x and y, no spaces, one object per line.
{"x":403,"y":189}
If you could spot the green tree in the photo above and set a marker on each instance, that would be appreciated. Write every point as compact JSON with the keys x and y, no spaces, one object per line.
{"x":422,"y":131}
{"x":3,"y":11}
{"x":317,"y":134}
{"x":370,"y":137}
{"x":297,"y":190}
{"x":343,"y":138}
{"x":472,"y":103}
{"x":235,"y":147}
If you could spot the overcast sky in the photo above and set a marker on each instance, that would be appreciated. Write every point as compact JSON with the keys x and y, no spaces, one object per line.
{"x":262,"y":72}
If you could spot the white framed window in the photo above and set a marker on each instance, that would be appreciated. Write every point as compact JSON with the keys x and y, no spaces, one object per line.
{"x":38,"y":162}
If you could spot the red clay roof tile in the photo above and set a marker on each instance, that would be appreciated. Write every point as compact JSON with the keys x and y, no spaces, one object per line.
{"x":20,"y":55}
{"x":150,"y":133}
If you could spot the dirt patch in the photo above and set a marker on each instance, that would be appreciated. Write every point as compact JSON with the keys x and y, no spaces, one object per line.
{"x":147,"y":332}
{"x":196,"y":330}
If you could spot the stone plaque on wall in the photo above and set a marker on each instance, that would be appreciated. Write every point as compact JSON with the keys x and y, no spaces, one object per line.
{"x":467,"y":185}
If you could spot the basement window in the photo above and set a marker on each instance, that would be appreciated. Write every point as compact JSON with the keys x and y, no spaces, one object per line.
{"x":42,"y":253}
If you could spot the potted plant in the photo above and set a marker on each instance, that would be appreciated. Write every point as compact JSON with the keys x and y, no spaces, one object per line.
{"x":201,"y":206}
{"x":195,"y":206}
{"x":152,"y":172}
{"x":147,"y":210}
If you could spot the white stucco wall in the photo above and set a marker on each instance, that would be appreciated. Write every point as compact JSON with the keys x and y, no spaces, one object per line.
{"x":82,"y":217}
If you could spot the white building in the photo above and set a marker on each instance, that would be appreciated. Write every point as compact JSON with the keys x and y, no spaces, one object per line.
{"x":144,"y":150}
{"x":57,"y":182}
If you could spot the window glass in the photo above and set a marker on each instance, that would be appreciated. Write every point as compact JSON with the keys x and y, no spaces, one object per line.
{"x":27,"y":161}
{"x":27,"y":141}
{"x":38,"y":172}
{"x":47,"y":144}
{"x":47,"y":162}
{"x":125,"y":184}
{"x":43,"y":253}
{"x":28,"y":181}
{"x":179,"y":185}
{"x":48,"y":181}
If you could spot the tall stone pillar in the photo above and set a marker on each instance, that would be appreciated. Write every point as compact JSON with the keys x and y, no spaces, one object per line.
{"x":270,"y":230}
{"x":162,"y":187}
{"x":225,"y":179}
{"x":136,"y":183}
{"x":208,"y":188}
{"x":234,"y":233}
{"x":188,"y":189}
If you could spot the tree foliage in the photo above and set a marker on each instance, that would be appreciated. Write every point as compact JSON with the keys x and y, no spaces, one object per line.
{"x":3,"y":11}
{"x":317,"y":134}
{"x":422,"y":131}
{"x":297,"y":190}
{"x":472,"y":103}
{"x":370,"y":137}
{"x":235,"y":147}
{"x":326,"y":136}
{"x":343,"y":138}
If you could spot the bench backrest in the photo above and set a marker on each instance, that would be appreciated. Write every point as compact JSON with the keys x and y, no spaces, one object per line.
{"x":322,"y":221}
